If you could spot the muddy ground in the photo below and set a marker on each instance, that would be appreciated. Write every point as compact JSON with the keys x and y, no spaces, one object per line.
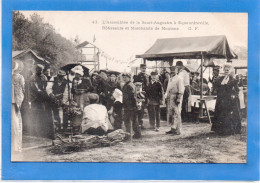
{"x":197,"y":144}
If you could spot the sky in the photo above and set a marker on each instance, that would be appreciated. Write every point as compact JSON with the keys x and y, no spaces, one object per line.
{"x":125,"y":44}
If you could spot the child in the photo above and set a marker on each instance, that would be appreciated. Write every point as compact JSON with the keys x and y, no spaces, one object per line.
{"x":116,"y":109}
{"x":154,"y":96}
{"x":141,"y":102}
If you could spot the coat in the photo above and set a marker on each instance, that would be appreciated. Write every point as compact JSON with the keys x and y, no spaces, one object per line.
{"x":154,"y":93}
{"x":227,"y":119}
{"x":144,"y":78}
{"x":129,"y":96}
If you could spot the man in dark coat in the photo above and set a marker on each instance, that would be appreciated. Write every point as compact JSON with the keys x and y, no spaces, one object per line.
{"x":143,"y":77}
{"x":130,"y":106}
{"x":41,"y":120}
{"x":55,"y":89}
{"x":102,"y":87}
{"x":162,"y":76}
{"x":214,"y":80}
{"x":155,"y":97}
{"x":112,"y":85}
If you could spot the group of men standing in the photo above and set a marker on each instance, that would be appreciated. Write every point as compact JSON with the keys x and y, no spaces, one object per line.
{"x":48,"y":94}
{"x":149,"y":90}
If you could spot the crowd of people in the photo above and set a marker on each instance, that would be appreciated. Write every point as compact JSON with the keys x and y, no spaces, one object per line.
{"x":125,"y":97}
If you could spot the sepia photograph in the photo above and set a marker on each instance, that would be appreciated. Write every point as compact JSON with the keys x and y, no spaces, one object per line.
{"x":146,"y":87}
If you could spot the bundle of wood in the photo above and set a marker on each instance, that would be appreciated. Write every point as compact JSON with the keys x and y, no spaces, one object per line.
{"x":80,"y":142}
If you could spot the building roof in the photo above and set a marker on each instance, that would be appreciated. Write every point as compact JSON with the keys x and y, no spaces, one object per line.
{"x":189,"y":47}
{"x":19,"y":53}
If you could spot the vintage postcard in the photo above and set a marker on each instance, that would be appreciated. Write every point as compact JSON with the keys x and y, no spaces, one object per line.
{"x":153,"y":87}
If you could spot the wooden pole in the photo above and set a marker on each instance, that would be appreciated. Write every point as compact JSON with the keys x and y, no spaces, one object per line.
{"x":106,"y":63}
{"x":201,"y":85}
{"x":98,"y":59}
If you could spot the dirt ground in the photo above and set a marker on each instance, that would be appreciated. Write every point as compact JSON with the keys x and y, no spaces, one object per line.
{"x":197,"y":144}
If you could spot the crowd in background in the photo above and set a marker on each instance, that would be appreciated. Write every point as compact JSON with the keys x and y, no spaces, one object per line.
{"x":125,"y":97}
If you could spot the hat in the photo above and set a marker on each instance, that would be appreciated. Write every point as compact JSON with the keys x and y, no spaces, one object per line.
{"x":15,"y":66}
{"x":105,"y":71}
{"x":154,"y":73}
{"x":217,"y":68}
{"x":196,"y":72}
{"x":39,"y":66}
{"x":126,"y":75}
{"x":95,"y":73}
{"x":113,"y":73}
{"x":93,"y":98}
{"x":143,"y":65}
{"x":179,"y":63}
{"x":78,"y":69}
{"x":61,"y":73}
{"x":138,"y":83}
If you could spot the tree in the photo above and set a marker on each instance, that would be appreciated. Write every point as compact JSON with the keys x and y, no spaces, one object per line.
{"x":41,"y":37}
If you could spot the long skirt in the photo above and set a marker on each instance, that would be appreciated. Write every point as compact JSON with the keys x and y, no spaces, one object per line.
{"x":174,"y":113}
{"x":186,"y":102}
{"x":16,"y":131}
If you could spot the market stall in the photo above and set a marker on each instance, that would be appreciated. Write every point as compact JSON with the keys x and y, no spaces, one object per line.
{"x":203,"y":48}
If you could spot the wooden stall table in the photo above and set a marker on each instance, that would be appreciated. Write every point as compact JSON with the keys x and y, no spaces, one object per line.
{"x":208,"y":104}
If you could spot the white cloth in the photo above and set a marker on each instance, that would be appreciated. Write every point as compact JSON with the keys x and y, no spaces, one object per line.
{"x":175,"y":85}
{"x":49,"y":86}
{"x":185,"y":77}
{"x":118,"y":95}
{"x":16,"y":120}
{"x":225,"y":80}
{"x":241,"y":98}
{"x":17,"y":130}
{"x":94,"y":116}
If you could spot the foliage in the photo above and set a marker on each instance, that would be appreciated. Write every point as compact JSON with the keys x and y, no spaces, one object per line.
{"x":42,"y":38}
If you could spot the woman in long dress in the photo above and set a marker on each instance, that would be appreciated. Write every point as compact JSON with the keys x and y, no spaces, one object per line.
{"x":227,"y":118}
{"x":17,"y":99}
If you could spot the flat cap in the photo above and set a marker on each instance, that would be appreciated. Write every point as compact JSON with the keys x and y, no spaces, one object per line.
{"x":61,"y":73}
{"x":40,"y":66}
{"x":126,"y":75}
{"x":179,"y":63}
{"x":154,"y":73}
{"x":142,"y":65}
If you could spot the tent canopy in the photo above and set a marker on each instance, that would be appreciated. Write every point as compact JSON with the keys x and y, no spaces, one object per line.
{"x":189,"y":48}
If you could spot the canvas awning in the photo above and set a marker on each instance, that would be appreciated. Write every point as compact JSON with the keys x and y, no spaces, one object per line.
{"x":189,"y":48}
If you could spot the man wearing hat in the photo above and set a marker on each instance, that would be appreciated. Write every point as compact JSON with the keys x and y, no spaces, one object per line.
{"x":183,"y":72}
{"x":162,"y":76}
{"x":112,"y":84}
{"x":102,"y":87}
{"x":143,"y":77}
{"x":214,"y":80}
{"x":195,"y":84}
{"x":55,"y":89}
{"x":141,"y":102}
{"x":155,"y":96}
{"x":130,"y":106}
{"x":42,"y":122}
{"x":94,"y":81}
{"x":174,"y":95}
